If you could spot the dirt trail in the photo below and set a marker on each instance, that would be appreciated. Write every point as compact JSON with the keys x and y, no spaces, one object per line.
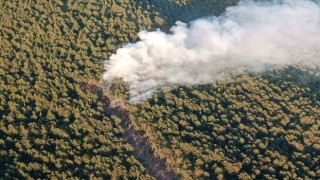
{"x":142,"y":148}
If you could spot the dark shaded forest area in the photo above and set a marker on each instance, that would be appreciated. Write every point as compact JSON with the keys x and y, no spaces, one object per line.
{"x":249,"y":127}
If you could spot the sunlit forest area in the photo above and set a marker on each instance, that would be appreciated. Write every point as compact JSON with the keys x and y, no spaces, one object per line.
{"x":53,"y":125}
{"x":250,"y":127}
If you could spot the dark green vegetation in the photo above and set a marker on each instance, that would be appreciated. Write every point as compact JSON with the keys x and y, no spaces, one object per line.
{"x":252,"y":126}
{"x":49,"y":126}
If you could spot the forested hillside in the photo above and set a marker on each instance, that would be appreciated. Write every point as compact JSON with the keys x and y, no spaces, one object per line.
{"x":250,"y":127}
{"x":51,"y":126}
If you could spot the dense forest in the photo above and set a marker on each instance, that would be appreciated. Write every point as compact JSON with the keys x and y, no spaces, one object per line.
{"x":58,"y":121}
{"x":249,"y":127}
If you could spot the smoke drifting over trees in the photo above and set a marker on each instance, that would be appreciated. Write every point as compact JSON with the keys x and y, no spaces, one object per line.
{"x":248,"y":37}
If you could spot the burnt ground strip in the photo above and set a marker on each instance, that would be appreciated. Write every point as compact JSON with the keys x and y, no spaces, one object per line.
{"x":142,"y":149}
{"x":143,"y":152}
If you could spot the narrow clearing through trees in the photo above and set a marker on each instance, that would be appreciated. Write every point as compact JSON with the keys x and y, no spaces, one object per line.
{"x":142,"y":149}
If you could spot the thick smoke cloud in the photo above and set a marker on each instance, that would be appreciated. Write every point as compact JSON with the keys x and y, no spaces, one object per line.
{"x":251,"y":36}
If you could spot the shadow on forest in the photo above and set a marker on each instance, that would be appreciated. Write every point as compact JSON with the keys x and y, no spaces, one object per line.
{"x":193,"y":10}
{"x":305,"y":77}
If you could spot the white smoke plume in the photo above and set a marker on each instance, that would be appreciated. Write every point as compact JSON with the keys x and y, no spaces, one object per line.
{"x":248,"y":37}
